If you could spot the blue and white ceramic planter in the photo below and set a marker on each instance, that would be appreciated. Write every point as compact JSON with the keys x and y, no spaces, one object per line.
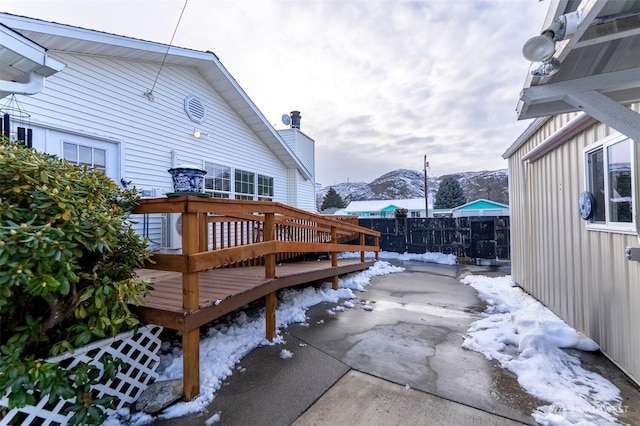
{"x":187,"y":178}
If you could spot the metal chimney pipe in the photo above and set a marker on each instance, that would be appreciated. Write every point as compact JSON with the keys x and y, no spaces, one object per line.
{"x":295,"y":119}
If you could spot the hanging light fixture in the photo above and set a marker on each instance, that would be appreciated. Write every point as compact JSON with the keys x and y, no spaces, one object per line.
{"x":16,"y":121}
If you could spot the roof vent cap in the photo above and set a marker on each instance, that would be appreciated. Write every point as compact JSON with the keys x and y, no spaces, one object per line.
{"x":195,"y":109}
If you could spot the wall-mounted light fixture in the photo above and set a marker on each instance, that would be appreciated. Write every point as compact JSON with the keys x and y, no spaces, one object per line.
{"x":545,"y":68}
{"x":199,"y":134}
{"x":542,"y":48}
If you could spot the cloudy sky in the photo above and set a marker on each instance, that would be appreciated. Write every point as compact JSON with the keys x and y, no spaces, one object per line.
{"x":379,"y":83}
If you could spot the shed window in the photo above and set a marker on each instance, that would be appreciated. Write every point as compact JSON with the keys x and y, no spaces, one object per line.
{"x":610,"y":179}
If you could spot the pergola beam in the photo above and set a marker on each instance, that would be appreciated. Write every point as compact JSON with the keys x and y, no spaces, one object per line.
{"x":608,"y":111}
{"x":609,"y":82}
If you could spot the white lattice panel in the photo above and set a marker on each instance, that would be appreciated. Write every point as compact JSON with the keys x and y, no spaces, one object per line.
{"x":138,"y":351}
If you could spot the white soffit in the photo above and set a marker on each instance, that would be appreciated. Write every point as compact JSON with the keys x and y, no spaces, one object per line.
{"x":20,"y":58}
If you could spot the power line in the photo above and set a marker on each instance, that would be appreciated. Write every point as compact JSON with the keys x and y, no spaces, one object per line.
{"x":149,"y":93}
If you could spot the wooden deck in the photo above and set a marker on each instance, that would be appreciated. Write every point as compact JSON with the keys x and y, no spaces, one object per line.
{"x":224,"y":290}
{"x":235,"y":252}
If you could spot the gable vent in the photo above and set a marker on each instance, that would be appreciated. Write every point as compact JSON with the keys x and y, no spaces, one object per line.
{"x":195,"y":109}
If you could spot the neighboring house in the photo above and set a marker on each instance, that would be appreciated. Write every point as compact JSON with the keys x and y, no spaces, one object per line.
{"x":481,"y":207}
{"x":135,"y":108}
{"x":575,"y":183}
{"x":386,"y":208}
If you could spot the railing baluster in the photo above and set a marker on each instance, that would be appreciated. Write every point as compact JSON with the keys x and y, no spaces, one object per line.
{"x":203,"y":232}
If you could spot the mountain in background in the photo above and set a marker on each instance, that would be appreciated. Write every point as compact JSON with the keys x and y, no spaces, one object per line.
{"x":404,"y":183}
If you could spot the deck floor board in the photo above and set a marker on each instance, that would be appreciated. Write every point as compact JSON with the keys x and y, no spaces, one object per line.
{"x":224,"y":289}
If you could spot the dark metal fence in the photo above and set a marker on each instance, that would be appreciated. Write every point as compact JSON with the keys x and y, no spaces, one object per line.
{"x":481,"y":237}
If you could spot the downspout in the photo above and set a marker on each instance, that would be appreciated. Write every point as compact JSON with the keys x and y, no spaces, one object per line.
{"x":527,"y":226}
{"x":34,"y":85}
{"x":637,"y":194}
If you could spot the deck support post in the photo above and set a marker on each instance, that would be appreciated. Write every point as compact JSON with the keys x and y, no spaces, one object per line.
{"x":270,"y":314}
{"x":269,"y":259}
{"x":361,"y":241}
{"x":191,"y":364}
{"x":190,"y":301}
{"x":376,"y":243}
{"x":334,"y":257}
{"x":270,"y":272}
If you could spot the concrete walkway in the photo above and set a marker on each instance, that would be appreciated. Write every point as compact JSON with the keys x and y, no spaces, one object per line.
{"x":399,"y":364}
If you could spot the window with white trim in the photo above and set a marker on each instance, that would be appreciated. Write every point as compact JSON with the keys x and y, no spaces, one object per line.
{"x":82,"y":155}
{"x":610,"y":172}
{"x":217,"y":181}
{"x":244,"y":185}
{"x":265,"y":188}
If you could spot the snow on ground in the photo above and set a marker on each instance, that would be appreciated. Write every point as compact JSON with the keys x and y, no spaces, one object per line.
{"x":443,"y":259}
{"x":527,"y":338}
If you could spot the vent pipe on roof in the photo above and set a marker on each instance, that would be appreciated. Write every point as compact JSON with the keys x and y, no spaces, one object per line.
{"x":295,"y":119}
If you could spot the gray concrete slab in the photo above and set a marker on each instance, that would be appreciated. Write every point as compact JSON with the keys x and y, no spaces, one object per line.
{"x":361,"y":399}
{"x":413,"y":337}
{"x":271,"y":390}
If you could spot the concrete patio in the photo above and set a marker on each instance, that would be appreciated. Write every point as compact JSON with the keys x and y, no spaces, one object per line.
{"x":400,"y":363}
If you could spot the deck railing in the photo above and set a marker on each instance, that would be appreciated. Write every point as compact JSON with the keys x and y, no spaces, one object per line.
{"x":221,"y":232}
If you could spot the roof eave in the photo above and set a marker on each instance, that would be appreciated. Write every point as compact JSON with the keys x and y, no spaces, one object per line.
{"x":524,"y":137}
{"x":34,"y":57}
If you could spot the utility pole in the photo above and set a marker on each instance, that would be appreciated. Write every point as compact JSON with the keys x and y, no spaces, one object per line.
{"x":426,"y":188}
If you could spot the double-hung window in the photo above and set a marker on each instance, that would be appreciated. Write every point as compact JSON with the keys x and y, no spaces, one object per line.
{"x":244,"y":185}
{"x":611,"y":179}
{"x":217,"y":181}
{"x":85,"y":156}
{"x":265,"y":188}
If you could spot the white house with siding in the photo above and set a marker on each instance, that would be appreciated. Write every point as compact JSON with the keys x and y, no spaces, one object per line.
{"x":135,"y":109}
{"x":574,"y":179}
{"x":303,"y":147}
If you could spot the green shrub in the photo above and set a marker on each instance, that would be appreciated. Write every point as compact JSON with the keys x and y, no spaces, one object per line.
{"x":67,"y":273}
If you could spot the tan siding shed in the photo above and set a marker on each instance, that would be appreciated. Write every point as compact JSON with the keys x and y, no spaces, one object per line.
{"x":581,"y":275}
